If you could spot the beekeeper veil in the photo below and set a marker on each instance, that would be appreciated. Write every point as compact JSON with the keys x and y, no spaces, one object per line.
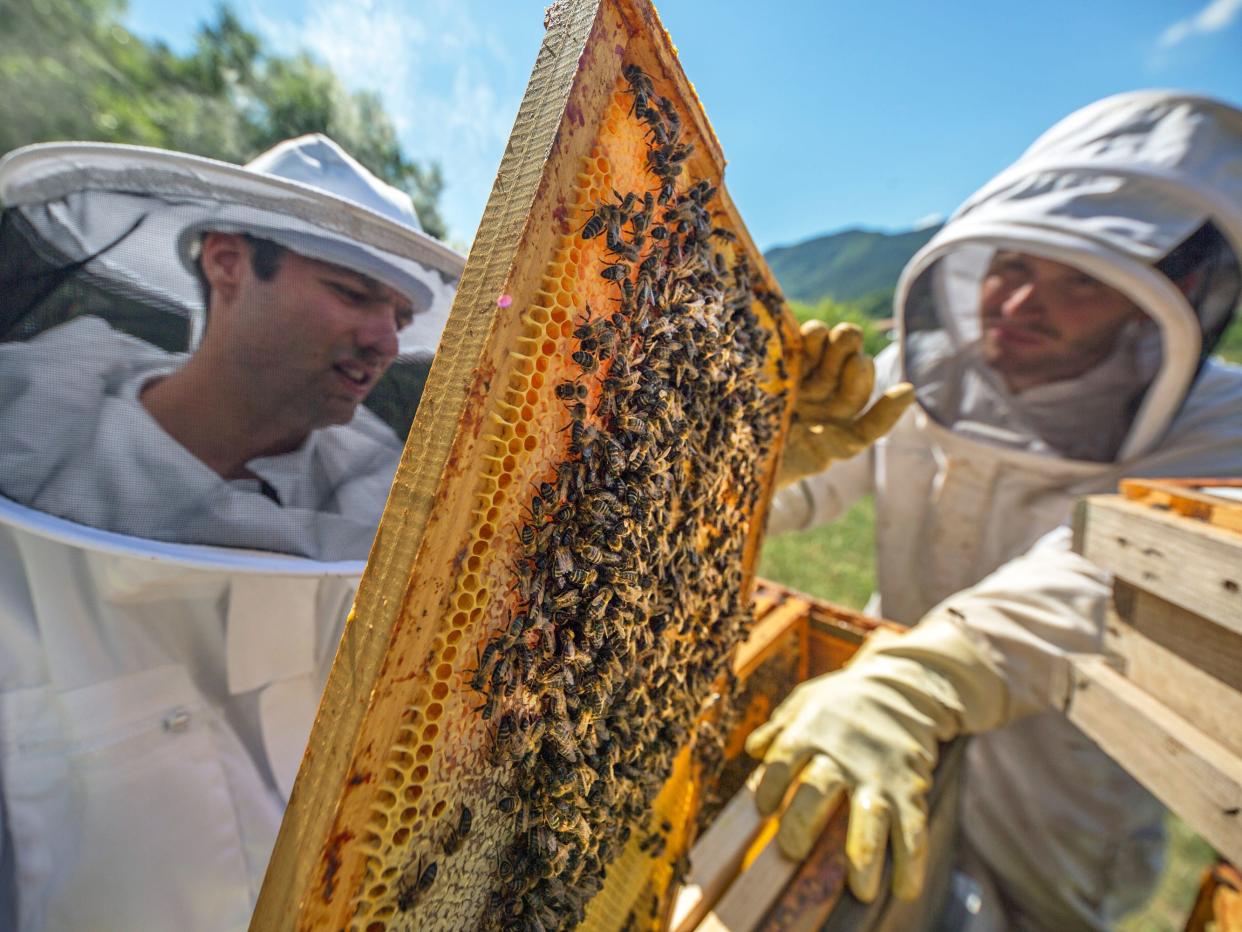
{"x":103,"y":295}
{"x":1133,"y":202}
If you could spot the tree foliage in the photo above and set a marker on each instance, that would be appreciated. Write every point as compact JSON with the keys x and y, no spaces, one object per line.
{"x":876,"y":334}
{"x":70,"y":70}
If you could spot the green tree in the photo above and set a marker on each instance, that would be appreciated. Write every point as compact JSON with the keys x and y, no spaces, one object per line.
{"x":875,"y":338}
{"x":70,"y":70}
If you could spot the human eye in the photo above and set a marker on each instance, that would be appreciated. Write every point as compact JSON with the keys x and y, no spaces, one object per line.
{"x":404,"y":317}
{"x":1082,"y":285}
{"x":347,"y":292}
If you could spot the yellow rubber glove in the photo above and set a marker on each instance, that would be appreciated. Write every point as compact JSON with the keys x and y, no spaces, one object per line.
{"x":872,"y":730}
{"x":828,"y":419}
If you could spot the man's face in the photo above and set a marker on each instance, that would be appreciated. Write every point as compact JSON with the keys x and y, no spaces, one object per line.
{"x":316,"y":338}
{"x":1044,"y":322}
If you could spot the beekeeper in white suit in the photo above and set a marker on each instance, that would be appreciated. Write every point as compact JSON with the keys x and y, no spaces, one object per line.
{"x":1057,"y":334}
{"x":181,"y":535}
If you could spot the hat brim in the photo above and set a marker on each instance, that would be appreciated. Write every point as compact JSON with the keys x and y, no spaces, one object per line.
{"x":83,"y":197}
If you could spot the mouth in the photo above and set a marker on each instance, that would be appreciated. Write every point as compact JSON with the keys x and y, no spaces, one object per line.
{"x":357,"y":378}
{"x":1016,"y":336}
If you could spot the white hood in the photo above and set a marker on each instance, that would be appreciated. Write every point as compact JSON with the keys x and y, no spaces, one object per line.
{"x":1110,"y":190}
{"x":134,"y":216}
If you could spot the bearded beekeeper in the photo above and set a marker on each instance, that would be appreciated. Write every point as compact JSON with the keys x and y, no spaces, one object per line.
{"x":181,"y":533}
{"x":1057,"y":333}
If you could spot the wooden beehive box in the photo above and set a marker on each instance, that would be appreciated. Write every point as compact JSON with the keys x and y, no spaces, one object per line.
{"x":538,"y":667}
{"x":1166,"y":703}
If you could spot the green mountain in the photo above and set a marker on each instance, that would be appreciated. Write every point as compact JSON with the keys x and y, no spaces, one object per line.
{"x":845,"y":266}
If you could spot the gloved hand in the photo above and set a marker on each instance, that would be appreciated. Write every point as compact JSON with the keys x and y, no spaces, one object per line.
{"x":828,"y":419}
{"x":873,"y":730}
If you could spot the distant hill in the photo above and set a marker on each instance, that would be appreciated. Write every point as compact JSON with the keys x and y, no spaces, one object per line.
{"x":845,"y":266}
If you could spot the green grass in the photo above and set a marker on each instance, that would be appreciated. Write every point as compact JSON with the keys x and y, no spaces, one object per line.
{"x":1187,"y":857}
{"x":836,"y":562}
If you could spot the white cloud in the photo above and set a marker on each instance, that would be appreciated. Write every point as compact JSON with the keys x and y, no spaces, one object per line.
{"x":446,"y":81}
{"x":1217,"y":15}
{"x":929,"y":220}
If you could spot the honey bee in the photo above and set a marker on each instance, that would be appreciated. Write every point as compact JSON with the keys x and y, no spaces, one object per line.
{"x":587,"y":362}
{"x":408,"y":892}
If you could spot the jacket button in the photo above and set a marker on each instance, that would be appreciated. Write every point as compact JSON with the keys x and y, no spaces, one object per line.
{"x":177,"y":720}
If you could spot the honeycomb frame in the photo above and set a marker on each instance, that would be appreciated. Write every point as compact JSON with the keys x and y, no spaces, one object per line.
{"x":401,"y":815}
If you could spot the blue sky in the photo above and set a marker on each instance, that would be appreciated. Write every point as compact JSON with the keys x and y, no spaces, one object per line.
{"x":883,"y":114}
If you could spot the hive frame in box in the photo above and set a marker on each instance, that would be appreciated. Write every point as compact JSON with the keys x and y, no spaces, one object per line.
{"x":1165,"y":698}
{"x":365,"y":753}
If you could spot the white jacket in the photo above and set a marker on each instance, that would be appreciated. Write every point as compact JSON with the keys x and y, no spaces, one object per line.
{"x":1072,"y":838}
{"x":156,"y":697}
{"x":982,"y":527}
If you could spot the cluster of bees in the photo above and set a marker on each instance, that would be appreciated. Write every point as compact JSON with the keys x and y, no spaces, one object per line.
{"x":629,"y":593}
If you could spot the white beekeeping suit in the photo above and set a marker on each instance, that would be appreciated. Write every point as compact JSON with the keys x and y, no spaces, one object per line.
{"x":975,"y":485}
{"x":165,"y":633}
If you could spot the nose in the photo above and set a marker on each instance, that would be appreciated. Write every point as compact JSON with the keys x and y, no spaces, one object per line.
{"x":1024,"y":298}
{"x":377,"y":336}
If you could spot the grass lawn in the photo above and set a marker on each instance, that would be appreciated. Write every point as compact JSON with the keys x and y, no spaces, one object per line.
{"x":836,"y":562}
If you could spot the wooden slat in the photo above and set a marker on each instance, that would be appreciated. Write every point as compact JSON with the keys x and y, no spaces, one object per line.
{"x":717,"y":856}
{"x":1188,"y":563}
{"x":1204,"y":645}
{"x":1140,"y":640}
{"x":763,"y":603}
{"x":1219,"y":904}
{"x":1190,"y":498}
{"x":752,"y":894}
{"x":768,"y":634}
{"x":1190,"y":772}
{"x":816,"y":888}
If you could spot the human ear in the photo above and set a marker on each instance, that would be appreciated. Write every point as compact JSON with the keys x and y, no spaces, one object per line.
{"x":223,"y":258}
